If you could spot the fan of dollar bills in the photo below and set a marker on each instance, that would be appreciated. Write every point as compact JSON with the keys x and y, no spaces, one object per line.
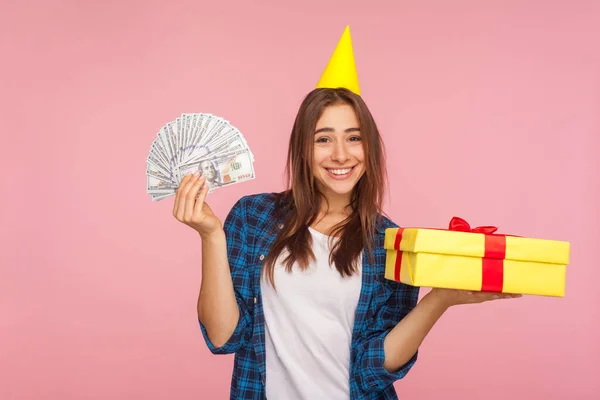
{"x":197,"y":142}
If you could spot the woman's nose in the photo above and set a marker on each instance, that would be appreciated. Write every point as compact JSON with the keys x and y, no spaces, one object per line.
{"x":340,"y":153}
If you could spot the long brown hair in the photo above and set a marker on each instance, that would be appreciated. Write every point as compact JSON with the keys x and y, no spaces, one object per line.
{"x":301,"y":202}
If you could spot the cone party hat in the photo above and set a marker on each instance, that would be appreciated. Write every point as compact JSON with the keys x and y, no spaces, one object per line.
{"x":341,"y":69}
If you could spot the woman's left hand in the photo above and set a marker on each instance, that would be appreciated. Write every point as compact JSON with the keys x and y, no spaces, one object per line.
{"x":453,"y":297}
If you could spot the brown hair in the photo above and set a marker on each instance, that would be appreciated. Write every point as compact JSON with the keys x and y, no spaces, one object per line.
{"x":301,"y":202}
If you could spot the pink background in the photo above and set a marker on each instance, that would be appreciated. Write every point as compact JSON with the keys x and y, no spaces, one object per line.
{"x":489,"y":110}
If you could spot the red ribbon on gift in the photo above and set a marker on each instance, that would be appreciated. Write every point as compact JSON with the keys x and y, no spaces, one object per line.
{"x":493,"y":259}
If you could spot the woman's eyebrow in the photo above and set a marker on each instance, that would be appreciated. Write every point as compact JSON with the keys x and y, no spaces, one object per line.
{"x":327,"y":129}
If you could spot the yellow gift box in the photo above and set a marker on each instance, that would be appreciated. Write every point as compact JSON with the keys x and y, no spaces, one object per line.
{"x":476,"y":259}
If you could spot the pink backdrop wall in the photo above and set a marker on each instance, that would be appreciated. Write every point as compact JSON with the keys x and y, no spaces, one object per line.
{"x":490,"y":111}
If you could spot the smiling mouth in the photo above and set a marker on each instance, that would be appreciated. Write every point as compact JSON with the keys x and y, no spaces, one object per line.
{"x":339,"y":173}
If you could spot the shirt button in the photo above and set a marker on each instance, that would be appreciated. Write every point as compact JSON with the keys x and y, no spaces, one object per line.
{"x":280,"y":226}
{"x":255,"y":300}
{"x":262,"y":257}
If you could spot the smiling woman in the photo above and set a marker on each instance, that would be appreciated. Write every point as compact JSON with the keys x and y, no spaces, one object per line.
{"x":293,"y":282}
{"x":336,"y":171}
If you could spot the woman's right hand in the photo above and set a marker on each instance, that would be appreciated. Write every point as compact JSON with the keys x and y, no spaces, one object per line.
{"x":193,"y":211}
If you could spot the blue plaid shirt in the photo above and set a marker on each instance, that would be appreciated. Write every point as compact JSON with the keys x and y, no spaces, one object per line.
{"x":250,"y":228}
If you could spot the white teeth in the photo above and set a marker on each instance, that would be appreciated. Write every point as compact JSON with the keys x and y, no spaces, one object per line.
{"x":339,"y":171}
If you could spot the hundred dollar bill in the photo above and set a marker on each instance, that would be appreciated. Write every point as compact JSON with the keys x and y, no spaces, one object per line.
{"x":158,"y":155}
{"x":171,"y":135}
{"x":165,"y":144}
{"x":205,"y":123}
{"x":223,"y":170}
{"x":158,"y":186}
{"x":153,"y":161}
{"x":227,"y":145}
{"x":233,"y":143}
{"x":158,"y":173}
{"x":218,"y":130}
{"x":190,"y":124}
{"x":160,"y":196}
{"x":178,"y":137}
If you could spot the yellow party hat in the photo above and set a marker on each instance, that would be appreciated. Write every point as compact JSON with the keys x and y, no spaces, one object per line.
{"x":341,"y":69}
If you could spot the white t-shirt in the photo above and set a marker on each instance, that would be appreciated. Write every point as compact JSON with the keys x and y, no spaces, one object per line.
{"x":308,"y":328}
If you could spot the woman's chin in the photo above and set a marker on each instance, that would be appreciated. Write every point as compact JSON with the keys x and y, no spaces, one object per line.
{"x":338,"y":188}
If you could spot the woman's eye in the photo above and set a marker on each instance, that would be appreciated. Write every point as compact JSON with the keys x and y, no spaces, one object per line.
{"x":322,"y":140}
{"x":355,"y":139}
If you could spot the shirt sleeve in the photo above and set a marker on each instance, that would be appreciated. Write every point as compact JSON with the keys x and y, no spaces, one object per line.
{"x":371,"y":355}
{"x":236,"y":233}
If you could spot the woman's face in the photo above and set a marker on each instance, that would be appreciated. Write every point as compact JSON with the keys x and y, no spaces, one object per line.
{"x":338,"y":161}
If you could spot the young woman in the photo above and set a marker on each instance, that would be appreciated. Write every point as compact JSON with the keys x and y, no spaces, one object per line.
{"x":293,"y":282}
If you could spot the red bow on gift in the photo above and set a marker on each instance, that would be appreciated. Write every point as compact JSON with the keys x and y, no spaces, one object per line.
{"x":492,"y":262}
{"x":459,"y":224}
{"x":495,"y":251}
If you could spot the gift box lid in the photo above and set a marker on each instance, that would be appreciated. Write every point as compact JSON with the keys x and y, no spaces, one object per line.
{"x":461,"y":239}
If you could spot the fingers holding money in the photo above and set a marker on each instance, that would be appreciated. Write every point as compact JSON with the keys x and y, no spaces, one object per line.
{"x":183,"y":194}
{"x":190,"y":207}
{"x":179,"y":195}
{"x":192,"y":198}
{"x":198,"y":207}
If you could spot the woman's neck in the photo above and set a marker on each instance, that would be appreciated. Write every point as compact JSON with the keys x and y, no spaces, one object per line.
{"x":335,"y":204}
